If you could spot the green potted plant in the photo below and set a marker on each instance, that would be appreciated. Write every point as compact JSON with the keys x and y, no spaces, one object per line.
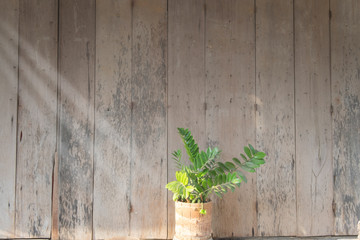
{"x":196,"y":182}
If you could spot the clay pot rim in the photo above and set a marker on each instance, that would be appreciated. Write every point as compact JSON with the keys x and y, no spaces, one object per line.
{"x":207,"y":204}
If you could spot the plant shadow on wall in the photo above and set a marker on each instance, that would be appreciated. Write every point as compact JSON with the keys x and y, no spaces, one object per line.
{"x":196,"y":182}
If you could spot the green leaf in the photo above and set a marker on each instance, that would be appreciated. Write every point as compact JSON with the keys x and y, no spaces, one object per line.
{"x":203,"y":173}
{"x":182,"y":177}
{"x":248,"y":169}
{"x":236,"y":181}
{"x":209,"y":182}
{"x":243,"y":156}
{"x":230,"y":165}
{"x":259,"y":155}
{"x":204,"y":184}
{"x":253,"y":151}
{"x":237,"y":161}
{"x":251,"y":165}
{"x":248,"y":152}
{"x":242,"y":176}
{"x":177,"y":158}
{"x":197,"y":162}
{"x":202,"y":211}
{"x":203,"y":158}
{"x":191,"y":147}
{"x":223,"y":166}
{"x":223,"y":178}
{"x":175,"y":197}
{"x":198,"y":187}
{"x":213,"y":173}
{"x":217,"y":193}
{"x":219,"y":170}
{"x":258,"y":161}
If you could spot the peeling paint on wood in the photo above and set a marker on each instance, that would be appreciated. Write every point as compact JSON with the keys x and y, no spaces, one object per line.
{"x":112,"y":120}
{"x":149,"y":131}
{"x":36,"y":117}
{"x":313,"y":119}
{"x":275,"y":130}
{"x":345,"y":52}
{"x":186,"y":92}
{"x":77,"y":49}
{"x":230,"y":114}
{"x":9,"y":23}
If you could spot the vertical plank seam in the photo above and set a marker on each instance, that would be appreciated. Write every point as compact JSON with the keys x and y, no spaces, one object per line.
{"x":59,"y":117}
{"x":17,"y":119}
{"x":54,"y":213}
{"x":167,"y":121}
{"x":131,"y":115}
{"x":94,"y":132}
{"x":58,"y":80}
{"x":59,"y":111}
{"x":256,"y":109}
{"x":255,"y":118}
{"x":295,"y":126}
{"x":331,"y":117}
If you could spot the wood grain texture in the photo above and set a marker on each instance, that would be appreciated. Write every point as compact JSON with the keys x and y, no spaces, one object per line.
{"x":112,"y":119}
{"x":230,"y":112}
{"x":275,"y":132}
{"x":55,"y":200}
{"x":149,"y":121}
{"x":345,"y":83}
{"x":313,"y":119}
{"x":36,"y":117}
{"x":120,"y":102}
{"x":77,"y":62}
{"x":186,"y":91}
{"x":9,"y":24}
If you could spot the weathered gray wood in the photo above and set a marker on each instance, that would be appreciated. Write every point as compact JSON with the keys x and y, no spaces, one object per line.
{"x":55,"y":200}
{"x":31,"y":238}
{"x":230,"y":112}
{"x":186,"y":91}
{"x":224,"y":51}
{"x":77,"y":37}
{"x":149,"y":133}
{"x":112,"y":119}
{"x":345,"y":84}
{"x":314,"y":171}
{"x":298,"y":238}
{"x":275,"y":133}
{"x":36,"y":117}
{"x":9,"y":24}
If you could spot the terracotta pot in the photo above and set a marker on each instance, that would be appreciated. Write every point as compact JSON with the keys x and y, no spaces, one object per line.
{"x":190,"y":224}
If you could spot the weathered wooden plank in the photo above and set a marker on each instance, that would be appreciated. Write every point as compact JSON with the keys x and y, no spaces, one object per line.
{"x":230,"y":112}
{"x":112,"y":119}
{"x":77,"y":37}
{"x":297,"y":238}
{"x":313,"y":119}
{"x":55,"y":199}
{"x":36,"y":117}
{"x":32,"y":238}
{"x":345,"y":85}
{"x":9,"y":25}
{"x":148,"y":218}
{"x":186,"y":87}
{"x":275,"y":133}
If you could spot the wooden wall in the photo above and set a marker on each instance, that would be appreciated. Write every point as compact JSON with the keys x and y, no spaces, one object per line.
{"x":91,"y":93}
